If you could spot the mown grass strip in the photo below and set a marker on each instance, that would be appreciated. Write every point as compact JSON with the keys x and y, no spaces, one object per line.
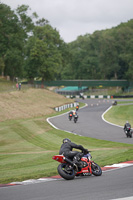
{"x":120,"y":114}
{"x":35,"y":142}
{"x":124,"y":102}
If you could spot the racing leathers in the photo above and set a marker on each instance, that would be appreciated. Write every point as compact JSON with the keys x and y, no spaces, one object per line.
{"x":66,"y":150}
{"x":126,"y":126}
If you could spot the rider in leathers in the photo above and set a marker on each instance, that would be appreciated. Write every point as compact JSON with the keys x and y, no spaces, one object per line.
{"x":66,"y":150}
{"x":127,"y":125}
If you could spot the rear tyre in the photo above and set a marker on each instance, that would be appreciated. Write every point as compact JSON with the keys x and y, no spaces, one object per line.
{"x":96,"y":169}
{"x":66,"y":172}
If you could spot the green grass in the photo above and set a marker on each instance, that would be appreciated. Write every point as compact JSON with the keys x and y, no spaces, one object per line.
{"x":27,"y":147}
{"x":120,"y":114}
{"x":6,"y":85}
{"x":124,"y":102}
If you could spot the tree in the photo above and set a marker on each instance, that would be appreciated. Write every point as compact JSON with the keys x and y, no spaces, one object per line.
{"x":25,"y":22}
{"x":2,"y":66}
{"x":104,"y":54}
{"x":14,"y":29}
{"x":44,"y":57}
{"x":8,"y":32}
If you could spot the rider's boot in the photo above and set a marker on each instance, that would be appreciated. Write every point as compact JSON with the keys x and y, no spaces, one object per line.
{"x":77,"y":164}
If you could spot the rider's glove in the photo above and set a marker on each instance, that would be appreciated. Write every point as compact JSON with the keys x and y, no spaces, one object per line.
{"x":85,"y":151}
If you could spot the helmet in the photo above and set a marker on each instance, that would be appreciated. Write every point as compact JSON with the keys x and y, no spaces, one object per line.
{"x":66,"y":140}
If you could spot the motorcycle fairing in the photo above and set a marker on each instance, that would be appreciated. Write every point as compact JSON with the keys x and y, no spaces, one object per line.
{"x":86,"y":169}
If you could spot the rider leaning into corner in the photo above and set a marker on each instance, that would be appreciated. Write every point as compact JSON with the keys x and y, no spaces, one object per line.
{"x":66,"y":150}
{"x":127,"y":125}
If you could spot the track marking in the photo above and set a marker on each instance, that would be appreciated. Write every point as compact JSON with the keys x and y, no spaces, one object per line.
{"x":104,"y":169}
{"x":126,"y":198}
{"x":107,"y":121}
{"x":54,"y":178}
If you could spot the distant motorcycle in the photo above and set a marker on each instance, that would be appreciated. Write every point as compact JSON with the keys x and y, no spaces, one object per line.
{"x":68,"y":170}
{"x":114,"y":103}
{"x":128,"y":132}
{"x":75,"y":118}
{"x":70,"y":116}
{"x":77,"y":107}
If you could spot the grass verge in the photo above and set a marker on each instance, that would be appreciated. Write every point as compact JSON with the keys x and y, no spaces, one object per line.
{"x":120,"y":114}
{"x":27,"y":147}
{"x":28,"y":144}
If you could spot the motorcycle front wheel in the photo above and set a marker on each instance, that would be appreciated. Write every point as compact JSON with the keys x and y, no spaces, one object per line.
{"x":75,"y":120}
{"x":130,"y":135}
{"x":66,"y":171}
{"x":96,"y":169}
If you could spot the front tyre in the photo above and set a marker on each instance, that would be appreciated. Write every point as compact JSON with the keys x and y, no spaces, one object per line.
{"x":96,"y":169}
{"x":66,"y":171}
{"x":75,"y":120}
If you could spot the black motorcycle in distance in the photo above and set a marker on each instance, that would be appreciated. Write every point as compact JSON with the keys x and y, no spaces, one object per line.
{"x":75,"y":118}
{"x":128,"y":131}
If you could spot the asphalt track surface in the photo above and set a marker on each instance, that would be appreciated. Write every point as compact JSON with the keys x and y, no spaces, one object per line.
{"x":114,"y":184}
{"x":91,"y":124}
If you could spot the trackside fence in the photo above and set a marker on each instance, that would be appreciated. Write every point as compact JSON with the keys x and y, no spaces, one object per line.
{"x":98,"y":96}
{"x":70,"y":105}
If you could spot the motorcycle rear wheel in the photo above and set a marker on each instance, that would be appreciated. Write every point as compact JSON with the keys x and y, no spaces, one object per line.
{"x":96,"y":169}
{"x":66,"y":173}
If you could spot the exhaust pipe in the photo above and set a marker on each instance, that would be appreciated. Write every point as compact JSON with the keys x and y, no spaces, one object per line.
{"x":69,"y":161}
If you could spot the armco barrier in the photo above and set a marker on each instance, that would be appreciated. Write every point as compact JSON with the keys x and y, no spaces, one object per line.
{"x":71,"y":105}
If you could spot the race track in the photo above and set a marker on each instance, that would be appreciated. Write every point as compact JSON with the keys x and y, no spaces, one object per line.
{"x":91,"y":124}
{"x":116,"y":184}
{"x":111,"y":185}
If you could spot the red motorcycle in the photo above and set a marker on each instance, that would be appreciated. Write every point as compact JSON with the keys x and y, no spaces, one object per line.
{"x":70,"y":116}
{"x":77,"y":107}
{"x":68,"y":170}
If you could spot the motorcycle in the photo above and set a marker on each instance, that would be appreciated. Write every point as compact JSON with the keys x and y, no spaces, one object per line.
{"x":75,"y":118}
{"x":70,"y":116}
{"x":114,"y":103}
{"x":128,"y":132}
{"x":77,"y":107}
{"x":68,"y":170}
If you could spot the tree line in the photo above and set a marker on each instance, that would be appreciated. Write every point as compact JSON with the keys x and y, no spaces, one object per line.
{"x":103,"y":55}
{"x":31,"y":48}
